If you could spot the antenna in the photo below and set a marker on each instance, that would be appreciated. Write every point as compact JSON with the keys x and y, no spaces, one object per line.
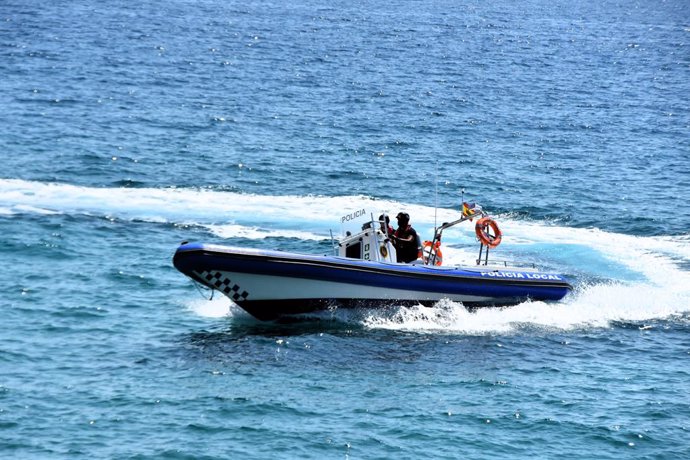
{"x":335,"y":248}
{"x":436,"y":198}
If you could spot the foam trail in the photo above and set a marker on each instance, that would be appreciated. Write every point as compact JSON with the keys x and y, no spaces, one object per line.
{"x":596,"y":306}
{"x":651,"y":279}
{"x":172,"y":204}
{"x":217,"y":307}
{"x":256,"y":233}
{"x":651,"y":285}
{"x":209,"y":208}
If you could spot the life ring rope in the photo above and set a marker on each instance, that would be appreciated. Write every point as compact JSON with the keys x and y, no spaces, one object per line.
{"x":482,"y":229}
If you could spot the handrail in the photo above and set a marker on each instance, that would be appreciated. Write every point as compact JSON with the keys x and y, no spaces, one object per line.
{"x":446,"y":225}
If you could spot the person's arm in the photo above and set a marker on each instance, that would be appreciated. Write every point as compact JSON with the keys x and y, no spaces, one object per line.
{"x":409,"y":238}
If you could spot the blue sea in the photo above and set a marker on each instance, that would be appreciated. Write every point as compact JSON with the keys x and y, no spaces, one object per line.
{"x":129,"y":126}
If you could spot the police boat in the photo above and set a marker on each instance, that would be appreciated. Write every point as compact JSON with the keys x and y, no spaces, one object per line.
{"x":363,"y":272}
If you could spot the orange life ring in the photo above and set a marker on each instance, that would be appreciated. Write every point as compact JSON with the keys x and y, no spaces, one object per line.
{"x":485,"y":237}
{"x":428,"y":251}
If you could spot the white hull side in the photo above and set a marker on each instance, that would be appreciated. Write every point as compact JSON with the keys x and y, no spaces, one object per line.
{"x":266,"y":287}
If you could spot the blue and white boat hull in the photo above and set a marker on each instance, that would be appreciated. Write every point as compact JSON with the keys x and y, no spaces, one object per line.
{"x":270,"y":284}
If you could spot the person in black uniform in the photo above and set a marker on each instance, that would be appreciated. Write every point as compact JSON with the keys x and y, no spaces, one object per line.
{"x":405,"y":239}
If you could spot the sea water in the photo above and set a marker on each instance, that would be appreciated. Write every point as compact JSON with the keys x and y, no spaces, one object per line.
{"x":128,"y":127}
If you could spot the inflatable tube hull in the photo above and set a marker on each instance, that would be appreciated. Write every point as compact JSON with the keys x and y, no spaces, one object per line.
{"x":270,"y":284}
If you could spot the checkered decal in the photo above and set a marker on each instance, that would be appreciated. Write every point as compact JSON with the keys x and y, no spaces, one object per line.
{"x":224,"y":284}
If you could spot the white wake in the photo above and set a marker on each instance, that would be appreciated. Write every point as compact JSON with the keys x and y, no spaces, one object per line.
{"x":618,"y":277}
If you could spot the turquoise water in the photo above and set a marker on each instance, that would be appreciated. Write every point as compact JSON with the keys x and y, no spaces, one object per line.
{"x":130,"y":127}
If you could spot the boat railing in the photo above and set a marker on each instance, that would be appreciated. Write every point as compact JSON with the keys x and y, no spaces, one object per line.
{"x":438,"y":232}
{"x":377,"y":230}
